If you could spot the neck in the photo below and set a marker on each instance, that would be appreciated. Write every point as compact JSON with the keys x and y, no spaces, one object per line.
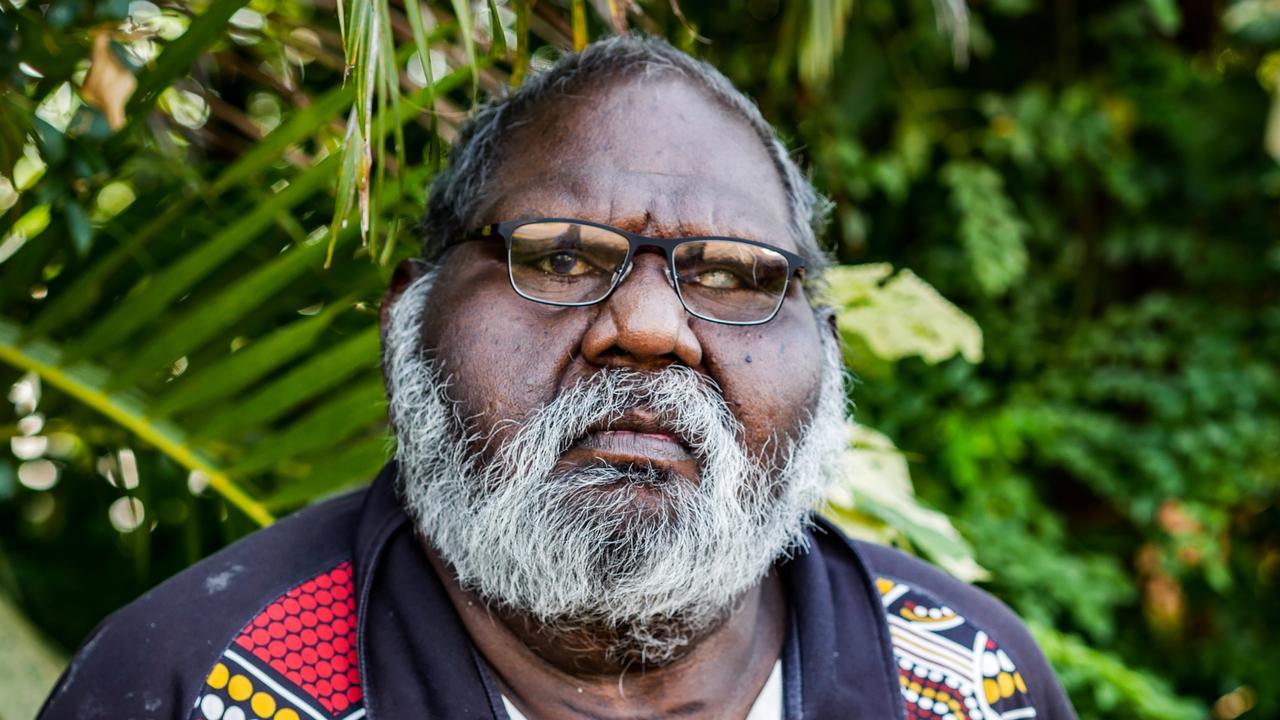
{"x":575,"y":673}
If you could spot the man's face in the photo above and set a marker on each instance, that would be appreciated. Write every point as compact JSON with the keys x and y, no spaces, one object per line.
{"x":657,"y":157}
{"x":623,"y":466}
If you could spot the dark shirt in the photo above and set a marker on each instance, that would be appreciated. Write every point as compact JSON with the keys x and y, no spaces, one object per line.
{"x":335,"y":613}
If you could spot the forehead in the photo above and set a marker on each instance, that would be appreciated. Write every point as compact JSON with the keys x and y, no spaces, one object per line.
{"x":657,"y":155}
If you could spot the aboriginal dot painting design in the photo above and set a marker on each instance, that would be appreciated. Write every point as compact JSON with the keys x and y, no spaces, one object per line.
{"x":948,"y":668}
{"x":296,"y":660}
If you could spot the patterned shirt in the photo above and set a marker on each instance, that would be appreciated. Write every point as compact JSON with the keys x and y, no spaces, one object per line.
{"x":335,"y":614}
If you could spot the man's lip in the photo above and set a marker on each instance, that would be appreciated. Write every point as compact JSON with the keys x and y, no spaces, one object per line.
{"x":635,"y":436}
{"x":631,"y":446}
{"x":640,"y":422}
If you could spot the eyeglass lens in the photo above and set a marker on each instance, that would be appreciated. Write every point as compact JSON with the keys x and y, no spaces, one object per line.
{"x":566,"y":263}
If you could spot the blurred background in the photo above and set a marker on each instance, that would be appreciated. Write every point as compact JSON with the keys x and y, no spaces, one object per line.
{"x":1059,"y":289}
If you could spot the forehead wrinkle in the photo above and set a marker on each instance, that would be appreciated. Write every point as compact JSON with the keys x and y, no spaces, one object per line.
{"x":594,"y":196}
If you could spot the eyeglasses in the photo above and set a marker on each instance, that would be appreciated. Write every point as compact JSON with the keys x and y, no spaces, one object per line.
{"x":572,"y":263}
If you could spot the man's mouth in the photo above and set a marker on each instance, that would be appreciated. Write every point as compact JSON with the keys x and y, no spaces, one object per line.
{"x":637,"y":436}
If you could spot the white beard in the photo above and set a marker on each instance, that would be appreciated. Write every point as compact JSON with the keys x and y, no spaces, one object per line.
{"x":543,"y":542}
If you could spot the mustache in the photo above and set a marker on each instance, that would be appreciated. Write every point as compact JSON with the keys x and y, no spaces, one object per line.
{"x":675,"y":400}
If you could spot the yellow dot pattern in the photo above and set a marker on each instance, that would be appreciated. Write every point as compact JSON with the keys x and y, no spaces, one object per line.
{"x":239,"y":688}
{"x":264,"y":706}
{"x":932,"y":679}
{"x":218,"y":677}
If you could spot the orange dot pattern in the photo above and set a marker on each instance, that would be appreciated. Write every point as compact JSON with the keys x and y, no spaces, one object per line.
{"x":308,"y":635}
{"x":948,"y":668}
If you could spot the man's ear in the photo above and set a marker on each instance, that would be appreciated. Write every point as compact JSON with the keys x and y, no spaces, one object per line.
{"x":828,"y":313}
{"x":405,"y":273}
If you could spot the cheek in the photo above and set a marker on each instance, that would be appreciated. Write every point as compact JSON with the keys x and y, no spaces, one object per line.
{"x":503,"y":355}
{"x":770,"y":375}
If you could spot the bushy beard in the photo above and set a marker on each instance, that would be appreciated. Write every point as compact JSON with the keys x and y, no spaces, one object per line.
{"x":578,"y":550}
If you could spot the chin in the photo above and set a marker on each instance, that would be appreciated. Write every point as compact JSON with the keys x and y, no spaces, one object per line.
{"x":635,"y":496}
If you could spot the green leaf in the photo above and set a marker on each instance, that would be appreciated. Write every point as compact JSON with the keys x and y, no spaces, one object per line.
{"x":499,"y":47}
{"x":154,"y":295}
{"x":884,"y":317}
{"x":78,"y":226}
{"x":521,"y":65}
{"x":462,"y":11}
{"x":1167,"y":16}
{"x":300,"y":125}
{"x":332,"y":472}
{"x":88,"y":385}
{"x":318,"y":374}
{"x":1137,"y":693}
{"x":876,"y":483}
{"x":349,"y":413}
{"x":86,"y":289}
{"x":207,"y":318}
{"x":241,"y":369}
{"x":993,"y":235}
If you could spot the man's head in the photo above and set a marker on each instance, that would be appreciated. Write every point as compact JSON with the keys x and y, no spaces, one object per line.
{"x":623,"y":467}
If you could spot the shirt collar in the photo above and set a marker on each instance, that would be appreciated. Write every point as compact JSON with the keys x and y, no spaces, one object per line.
{"x":416,"y":659}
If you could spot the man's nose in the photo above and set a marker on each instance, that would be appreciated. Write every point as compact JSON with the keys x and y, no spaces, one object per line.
{"x":642,"y":324}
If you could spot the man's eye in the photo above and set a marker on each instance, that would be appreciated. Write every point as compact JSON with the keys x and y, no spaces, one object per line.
{"x":718,"y":279}
{"x":563,"y":263}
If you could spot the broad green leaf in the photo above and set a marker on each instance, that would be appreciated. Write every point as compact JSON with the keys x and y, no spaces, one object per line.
{"x":874,"y":481}
{"x":332,"y":472}
{"x":884,"y":317}
{"x":154,"y":294}
{"x":315,"y":376}
{"x":87,"y":384}
{"x":240,"y":369}
{"x":208,"y":318}
{"x":351,"y":412}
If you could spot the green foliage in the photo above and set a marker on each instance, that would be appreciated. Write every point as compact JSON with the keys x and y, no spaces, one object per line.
{"x":885,"y":319}
{"x":27,"y":665}
{"x":991,"y":234}
{"x":187,"y":326}
{"x":1118,"y":691}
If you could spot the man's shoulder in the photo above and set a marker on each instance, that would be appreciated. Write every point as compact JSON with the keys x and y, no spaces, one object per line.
{"x":161,"y":655}
{"x":960,"y":651}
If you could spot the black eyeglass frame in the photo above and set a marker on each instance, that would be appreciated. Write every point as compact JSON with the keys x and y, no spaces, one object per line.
{"x":505,"y":230}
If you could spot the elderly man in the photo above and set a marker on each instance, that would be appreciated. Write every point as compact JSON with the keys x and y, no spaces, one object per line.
{"x":616,"y":404}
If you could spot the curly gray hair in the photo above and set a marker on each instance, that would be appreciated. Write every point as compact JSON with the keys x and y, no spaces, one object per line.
{"x":457,"y":191}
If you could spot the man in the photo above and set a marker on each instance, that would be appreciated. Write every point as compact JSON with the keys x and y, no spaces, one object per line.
{"x":616,"y":404}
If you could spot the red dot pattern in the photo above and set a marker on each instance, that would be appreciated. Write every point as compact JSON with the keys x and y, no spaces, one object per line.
{"x":308,"y":635}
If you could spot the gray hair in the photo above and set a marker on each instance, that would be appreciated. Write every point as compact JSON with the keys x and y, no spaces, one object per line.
{"x":574,"y":549}
{"x":460,"y":186}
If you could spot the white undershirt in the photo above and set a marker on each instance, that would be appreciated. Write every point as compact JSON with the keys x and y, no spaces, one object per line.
{"x":768,"y":704}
